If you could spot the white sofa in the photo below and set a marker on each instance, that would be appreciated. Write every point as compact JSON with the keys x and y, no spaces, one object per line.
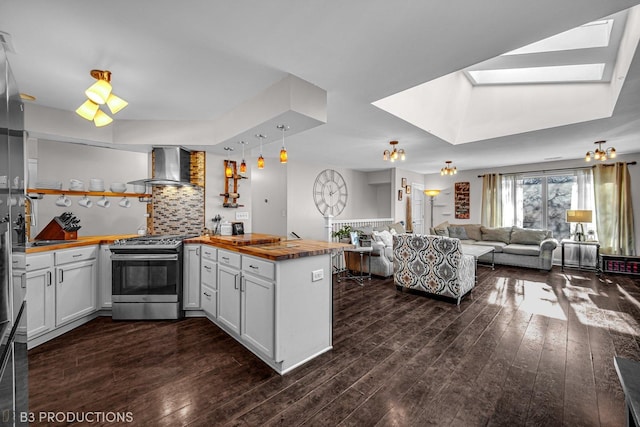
{"x":381,"y":240}
{"x":519,"y":247}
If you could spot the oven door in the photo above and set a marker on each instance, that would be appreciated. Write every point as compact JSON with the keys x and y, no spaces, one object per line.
{"x":146,"y":277}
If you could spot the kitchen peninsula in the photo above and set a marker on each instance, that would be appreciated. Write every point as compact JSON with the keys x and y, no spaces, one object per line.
{"x":272,"y":296}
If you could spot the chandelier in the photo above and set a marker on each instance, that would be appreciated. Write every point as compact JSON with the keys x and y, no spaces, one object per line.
{"x":393,"y":154}
{"x":600,"y":154}
{"x":99,"y":94}
{"x":448,"y":170}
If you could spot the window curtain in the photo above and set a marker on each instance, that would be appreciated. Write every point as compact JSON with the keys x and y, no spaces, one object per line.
{"x":509,"y":201}
{"x":583,"y":198}
{"x":491,"y":215}
{"x":614,"y":211}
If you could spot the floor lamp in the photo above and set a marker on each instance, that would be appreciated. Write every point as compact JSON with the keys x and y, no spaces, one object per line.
{"x":432,"y":194}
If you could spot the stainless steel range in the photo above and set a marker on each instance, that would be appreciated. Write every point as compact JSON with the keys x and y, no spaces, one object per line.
{"x":147,"y":277}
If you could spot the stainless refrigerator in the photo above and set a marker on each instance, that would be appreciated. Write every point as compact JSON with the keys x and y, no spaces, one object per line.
{"x":13,"y":317}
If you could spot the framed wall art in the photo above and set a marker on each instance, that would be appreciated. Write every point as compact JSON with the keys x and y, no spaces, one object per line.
{"x":399,"y":195}
{"x":462,"y":209}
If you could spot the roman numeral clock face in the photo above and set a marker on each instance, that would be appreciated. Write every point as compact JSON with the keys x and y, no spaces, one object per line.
{"x":330,"y":192}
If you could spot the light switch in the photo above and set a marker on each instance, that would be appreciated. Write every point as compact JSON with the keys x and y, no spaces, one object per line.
{"x":242,"y":215}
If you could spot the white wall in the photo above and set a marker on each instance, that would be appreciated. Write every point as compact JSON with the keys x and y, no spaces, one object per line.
{"x":303,"y":216}
{"x":446,"y":184}
{"x":269,"y":198}
{"x":214,"y":186}
{"x":61,"y":161}
{"x":400,"y":207}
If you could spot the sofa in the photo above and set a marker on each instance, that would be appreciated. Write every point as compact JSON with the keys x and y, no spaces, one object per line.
{"x":433,"y":265}
{"x":515,"y":246}
{"x":381,"y":241}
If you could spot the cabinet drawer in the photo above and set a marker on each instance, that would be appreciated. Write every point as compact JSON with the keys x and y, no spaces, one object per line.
{"x":208,"y":273}
{"x":72,"y":255}
{"x":38,"y":261}
{"x":231,"y":259}
{"x":258,"y":267}
{"x":208,"y":252}
{"x":209,"y":301}
{"x":18,"y":260}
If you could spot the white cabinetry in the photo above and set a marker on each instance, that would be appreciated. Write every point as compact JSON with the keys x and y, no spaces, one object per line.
{"x":209,"y":280}
{"x":61,"y":291}
{"x":76,"y":274}
{"x":229,"y":290}
{"x":191,"y":277}
{"x":258,"y":304}
{"x":104,"y":278}
{"x":41,"y":316}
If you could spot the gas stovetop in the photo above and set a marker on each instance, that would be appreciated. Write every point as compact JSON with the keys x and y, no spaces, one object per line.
{"x":167,"y":241}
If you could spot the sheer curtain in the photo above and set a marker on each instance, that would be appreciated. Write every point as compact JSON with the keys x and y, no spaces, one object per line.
{"x":491,"y":215}
{"x":614,"y":210}
{"x":583,"y":197}
{"x":509,"y":198}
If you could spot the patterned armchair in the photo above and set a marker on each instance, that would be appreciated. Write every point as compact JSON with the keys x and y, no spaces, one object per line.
{"x":432,"y":264}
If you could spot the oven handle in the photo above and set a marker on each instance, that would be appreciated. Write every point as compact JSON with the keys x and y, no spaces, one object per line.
{"x":144,"y":257}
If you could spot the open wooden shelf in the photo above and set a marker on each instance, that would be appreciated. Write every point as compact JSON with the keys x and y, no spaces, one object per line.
{"x":84,"y":193}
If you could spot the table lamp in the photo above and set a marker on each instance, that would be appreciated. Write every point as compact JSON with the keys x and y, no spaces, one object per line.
{"x":579,"y":216}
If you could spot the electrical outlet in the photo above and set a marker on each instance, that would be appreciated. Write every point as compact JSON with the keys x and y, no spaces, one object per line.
{"x":317,"y":275}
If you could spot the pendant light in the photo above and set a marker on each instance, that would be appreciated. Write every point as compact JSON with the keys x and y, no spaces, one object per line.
{"x":261,"y":159}
{"x":283,"y":150}
{"x":243,"y":165}
{"x":228,"y":171}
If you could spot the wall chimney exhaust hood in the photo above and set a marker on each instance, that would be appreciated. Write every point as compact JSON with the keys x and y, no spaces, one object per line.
{"x":172,"y":166}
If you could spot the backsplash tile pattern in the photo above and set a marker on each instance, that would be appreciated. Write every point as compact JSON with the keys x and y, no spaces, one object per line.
{"x":180,"y":210}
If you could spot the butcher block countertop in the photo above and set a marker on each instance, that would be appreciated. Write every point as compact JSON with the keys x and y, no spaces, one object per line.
{"x":275,"y":250}
{"x":82,"y":241}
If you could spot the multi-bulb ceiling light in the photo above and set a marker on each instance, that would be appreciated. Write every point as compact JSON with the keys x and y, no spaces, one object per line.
{"x":448,"y":170}
{"x":283,"y":150}
{"x":599,"y":153}
{"x":260,"y":159}
{"x":394,"y":154}
{"x":99,"y":94}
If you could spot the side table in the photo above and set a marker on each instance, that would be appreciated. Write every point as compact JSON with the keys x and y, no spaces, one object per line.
{"x":580,"y":244}
{"x":359,"y":250}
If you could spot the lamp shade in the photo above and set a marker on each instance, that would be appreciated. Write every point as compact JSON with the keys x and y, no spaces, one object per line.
{"x":99,"y":91}
{"x":577,"y":215}
{"x":431,"y":193}
{"x":101,"y":119}
{"x":116,"y":103}
{"x":88,"y":110}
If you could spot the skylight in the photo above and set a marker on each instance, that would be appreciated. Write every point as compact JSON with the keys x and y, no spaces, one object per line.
{"x":530,"y":75}
{"x":591,"y":35}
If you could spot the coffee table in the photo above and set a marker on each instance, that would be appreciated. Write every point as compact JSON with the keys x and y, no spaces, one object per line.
{"x":477,"y":251}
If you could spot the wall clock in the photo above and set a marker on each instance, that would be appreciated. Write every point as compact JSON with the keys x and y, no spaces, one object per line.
{"x":330,"y":192}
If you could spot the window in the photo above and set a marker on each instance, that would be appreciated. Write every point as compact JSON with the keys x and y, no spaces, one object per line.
{"x":540,"y":201}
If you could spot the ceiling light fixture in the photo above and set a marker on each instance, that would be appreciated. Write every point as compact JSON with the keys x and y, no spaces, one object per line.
{"x":243,"y":164}
{"x":100,"y":93}
{"x":599,"y":153}
{"x":228,"y":172}
{"x":283,"y":150}
{"x":448,"y":170}
{"x":393,"y":154}
{"x":260,"y":159}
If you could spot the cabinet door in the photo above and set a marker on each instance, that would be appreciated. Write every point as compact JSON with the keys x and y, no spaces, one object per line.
{"x":209,"y":300}
{"x":229,"y":297}
{"x":41,"y":315}
{"x":258,"y":319}
{"x":104,"y":278}
{"x":75,"y":291}
{"x":191,"y":278}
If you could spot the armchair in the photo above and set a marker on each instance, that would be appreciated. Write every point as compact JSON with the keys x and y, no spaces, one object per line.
{"x":432,"y":264}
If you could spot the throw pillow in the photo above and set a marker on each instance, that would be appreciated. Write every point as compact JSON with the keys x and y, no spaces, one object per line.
{"x":528,"y":236}
{"x":442,"y":229}
{"x":458,"y":233}
{"x":500,"y":234}
{"x":386,"y":238}
{"x":398,"y":227}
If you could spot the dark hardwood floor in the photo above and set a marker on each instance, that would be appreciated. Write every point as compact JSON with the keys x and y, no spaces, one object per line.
{"x":525,"y":348}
